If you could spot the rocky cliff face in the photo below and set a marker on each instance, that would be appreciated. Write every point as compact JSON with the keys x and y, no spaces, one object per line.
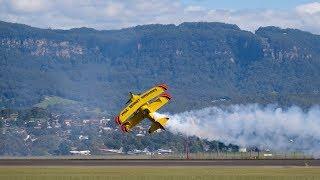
{"x":44,"y":47}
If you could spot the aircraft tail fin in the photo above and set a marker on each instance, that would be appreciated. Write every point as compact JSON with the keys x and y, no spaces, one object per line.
{"x":130,"y":97}
{"x":158,"y":124}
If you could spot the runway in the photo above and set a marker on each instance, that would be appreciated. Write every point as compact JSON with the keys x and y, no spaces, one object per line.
{"x":122,"y":162}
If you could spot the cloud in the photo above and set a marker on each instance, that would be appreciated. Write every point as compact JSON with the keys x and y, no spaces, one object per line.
{"x":27,"y":6}
{"x":111,"y":14}
{"x":114,"y":9}
{"x":310,"y":8}
{"x":194,"y":9}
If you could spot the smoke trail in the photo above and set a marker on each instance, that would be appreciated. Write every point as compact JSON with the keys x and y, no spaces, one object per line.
{"x":268,"y":127}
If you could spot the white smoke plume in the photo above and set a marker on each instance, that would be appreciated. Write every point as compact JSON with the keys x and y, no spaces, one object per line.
{"x":265,"y":127}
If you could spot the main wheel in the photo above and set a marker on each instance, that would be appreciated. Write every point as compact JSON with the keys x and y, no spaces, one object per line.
{"x":124,"y":128}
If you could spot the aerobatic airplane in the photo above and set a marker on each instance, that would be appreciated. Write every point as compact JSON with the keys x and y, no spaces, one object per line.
{"x":144,"y":106}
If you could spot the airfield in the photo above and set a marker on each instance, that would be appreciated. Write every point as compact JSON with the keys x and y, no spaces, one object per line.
{"x":159,"y":162}
{"x":142,"y":167}
{"x":134,"y":169}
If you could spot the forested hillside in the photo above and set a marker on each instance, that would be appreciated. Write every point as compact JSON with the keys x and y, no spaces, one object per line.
{"x":202,"y":63}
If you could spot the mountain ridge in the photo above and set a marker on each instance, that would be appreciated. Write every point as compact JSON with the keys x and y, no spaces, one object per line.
{"x":200,"y":61}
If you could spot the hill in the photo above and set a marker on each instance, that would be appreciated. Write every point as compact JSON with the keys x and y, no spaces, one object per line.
{"x":201,"y":62}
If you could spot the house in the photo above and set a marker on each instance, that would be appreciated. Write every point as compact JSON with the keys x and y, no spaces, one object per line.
{"x":104,"y":121}
{"x":14,"y":116}
{"x":118,"y":151}
{"x":68,"y":122}
{"x":86,"y":121}
{"x":242,"y":150}
{"x":140,"y":135}
{"x":85,"y":152}
{"x":137,"y":151}
{"x":107,"y":128}
{"x":82,"y":137}
{"x":164,"y":151}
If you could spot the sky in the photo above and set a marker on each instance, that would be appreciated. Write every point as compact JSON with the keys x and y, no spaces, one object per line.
{"x":248,"y":4}
{"x":115,"y":14}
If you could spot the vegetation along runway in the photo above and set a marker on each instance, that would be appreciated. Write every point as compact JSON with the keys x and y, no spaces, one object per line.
{"x":118,"y":162}
{"x":157,"y":173}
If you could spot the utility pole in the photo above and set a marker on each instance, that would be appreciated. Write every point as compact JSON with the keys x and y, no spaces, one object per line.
{"x":217,"y":148}
{"x":186,"y":147}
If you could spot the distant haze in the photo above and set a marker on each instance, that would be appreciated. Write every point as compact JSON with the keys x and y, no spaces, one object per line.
{"x":267,"y":127}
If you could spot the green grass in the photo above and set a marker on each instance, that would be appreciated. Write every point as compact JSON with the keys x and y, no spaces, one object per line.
{"x":157,"y":173}
{"x":54,"y":100}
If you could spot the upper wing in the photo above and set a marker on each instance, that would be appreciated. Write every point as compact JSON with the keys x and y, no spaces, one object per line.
{"x":158,"y":103}
{"x":153,"y":92}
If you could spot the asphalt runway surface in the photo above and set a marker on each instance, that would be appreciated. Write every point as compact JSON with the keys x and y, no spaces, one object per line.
{"x":122,"y":162}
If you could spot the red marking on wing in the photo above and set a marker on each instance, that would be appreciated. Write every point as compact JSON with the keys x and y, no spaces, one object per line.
{"x":166,"y":95}
{"x":117,"y":120}
{"x":163,"y":86}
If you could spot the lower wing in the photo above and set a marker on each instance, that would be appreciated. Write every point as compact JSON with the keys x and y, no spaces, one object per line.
{"x":132,"y":121}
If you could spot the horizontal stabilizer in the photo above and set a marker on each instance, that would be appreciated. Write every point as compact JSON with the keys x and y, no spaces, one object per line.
{"x":158,"y":124}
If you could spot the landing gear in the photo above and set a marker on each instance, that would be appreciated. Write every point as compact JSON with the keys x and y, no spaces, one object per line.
{"x":124,"y":128}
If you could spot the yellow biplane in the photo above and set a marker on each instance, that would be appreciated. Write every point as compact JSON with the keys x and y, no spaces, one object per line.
{"x":143,"y":106}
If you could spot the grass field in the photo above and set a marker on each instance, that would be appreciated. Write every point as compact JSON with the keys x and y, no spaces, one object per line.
{"x":54,"y":100}
{"x":157,"y":173}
